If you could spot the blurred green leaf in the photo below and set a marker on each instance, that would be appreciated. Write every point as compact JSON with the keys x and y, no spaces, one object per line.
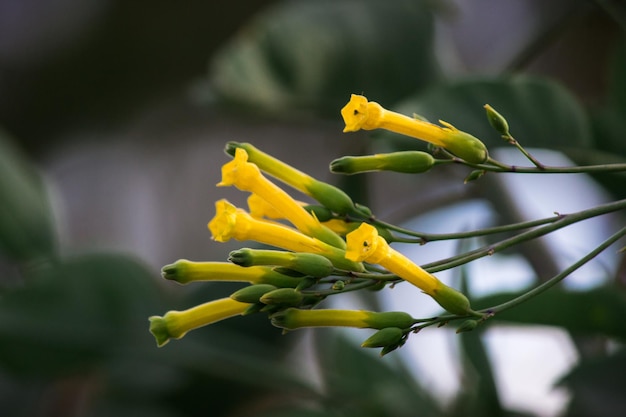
{"x":314,"y":54}
{"x":26,"y":224}
{"x":75,"y":313}
{"x":597,"y":387}
{"x":540,"y":113}
{"x":599,"y":311}
{"x":364,"y":384}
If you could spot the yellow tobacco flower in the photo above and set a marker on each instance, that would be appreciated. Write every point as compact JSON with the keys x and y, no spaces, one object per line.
{"x":294,"y":318}
{"x":231,"y":222}
{"x":259,"y":208}
{"x":326,"y":194}
{"x":184,"y":271}
{"x":247,"y":176}
{"x":368,"y":115}
{"x":175,"y":324}
{"x":364,"y":244}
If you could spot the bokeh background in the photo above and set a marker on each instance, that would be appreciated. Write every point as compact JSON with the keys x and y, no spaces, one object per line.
{"x":113,"y":119}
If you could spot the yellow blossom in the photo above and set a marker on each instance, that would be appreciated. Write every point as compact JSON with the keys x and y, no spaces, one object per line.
{"x":175,"y":324}
{"x":326,"y":194}
{"x":231,"y":222}
{"x":360,"y":113}
{"x":364,"y":244}
{"x":247,"y":176}
{"x":294,"y":318}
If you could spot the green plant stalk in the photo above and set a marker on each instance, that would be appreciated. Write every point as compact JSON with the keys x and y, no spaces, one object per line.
{"x":563,"y":221}
{"x":491,"y":311}
{"x":557,"y":278}
{"x":495,"y":166}
{"x":423,"y":238}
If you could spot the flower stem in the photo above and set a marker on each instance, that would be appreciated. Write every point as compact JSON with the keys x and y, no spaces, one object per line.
{"x":564,"y":220}
{"x":557,"y":278}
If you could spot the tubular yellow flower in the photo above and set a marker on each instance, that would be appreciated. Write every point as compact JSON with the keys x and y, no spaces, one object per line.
{"x":247,"y":176}
{"x":368,"y":115}
{"x":259,"y":208}
{"x":364,"y":244}
{"x":175,"y":324}
{"x":326,"y":194}
{"x":184,"y":271}
{"x":233,"y":223}
{"x":294,"y":318}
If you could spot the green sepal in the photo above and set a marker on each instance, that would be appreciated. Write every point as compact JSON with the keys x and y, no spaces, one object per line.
{"x":390,"y":319}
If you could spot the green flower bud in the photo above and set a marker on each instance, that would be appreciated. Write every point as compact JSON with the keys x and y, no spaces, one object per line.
{"x":411,"y":162}
{"x":467,"y":147}
{"x":339,"y":285}
{"x":252,"y":293}
{"x":474,"y":175}
{"x":282,"y":296}
{"x":388,"y":336}
{"x":467,"y":326}
{"x":305,"y":263}
{"x":497,"y":121}
{"x":452,"y":300}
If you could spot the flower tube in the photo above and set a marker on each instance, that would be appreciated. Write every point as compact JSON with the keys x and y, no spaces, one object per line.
{"x":364,"y":244}
{"x":247,"y":176}
{"x":368,"y":115}
{"x":233,"y":223}
{"x":175,"y":324}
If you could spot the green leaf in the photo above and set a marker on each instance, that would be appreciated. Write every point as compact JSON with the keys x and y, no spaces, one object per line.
{"x":367,"y":385}
{"x":26,"y":224}
{"x":599,"y":311}
{"x":314,"y":54}
{"x":74,"y":314}
{"x":597,"y":387}
{"x":540,"y":113}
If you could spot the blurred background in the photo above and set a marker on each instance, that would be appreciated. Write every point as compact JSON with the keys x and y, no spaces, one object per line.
{"x":113,"y":120}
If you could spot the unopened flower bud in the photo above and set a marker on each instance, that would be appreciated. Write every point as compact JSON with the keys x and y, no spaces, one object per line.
{"x":474,"y":175}
{"x":305,"y":263}
{"x":282,"y":296}
{"x":252,"y":293}
{"x":411,"y":162}
{"x":497,"y":121}
{"x":467,"y":326}
{"x":388,"y":336}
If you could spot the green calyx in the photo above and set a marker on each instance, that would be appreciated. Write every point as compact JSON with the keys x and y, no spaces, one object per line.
{"x":452,"y":300}
{"x":467,"y":147}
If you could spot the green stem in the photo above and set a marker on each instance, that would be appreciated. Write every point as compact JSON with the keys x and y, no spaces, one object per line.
{"x":557,"y":278}
{"x":496,"y":166}
{"x":423,"y":238}
{"x":520,"y":148}
{"x":564,"y":220}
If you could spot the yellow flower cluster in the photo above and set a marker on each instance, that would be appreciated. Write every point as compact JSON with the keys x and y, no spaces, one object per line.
{"x":314,"y":245}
